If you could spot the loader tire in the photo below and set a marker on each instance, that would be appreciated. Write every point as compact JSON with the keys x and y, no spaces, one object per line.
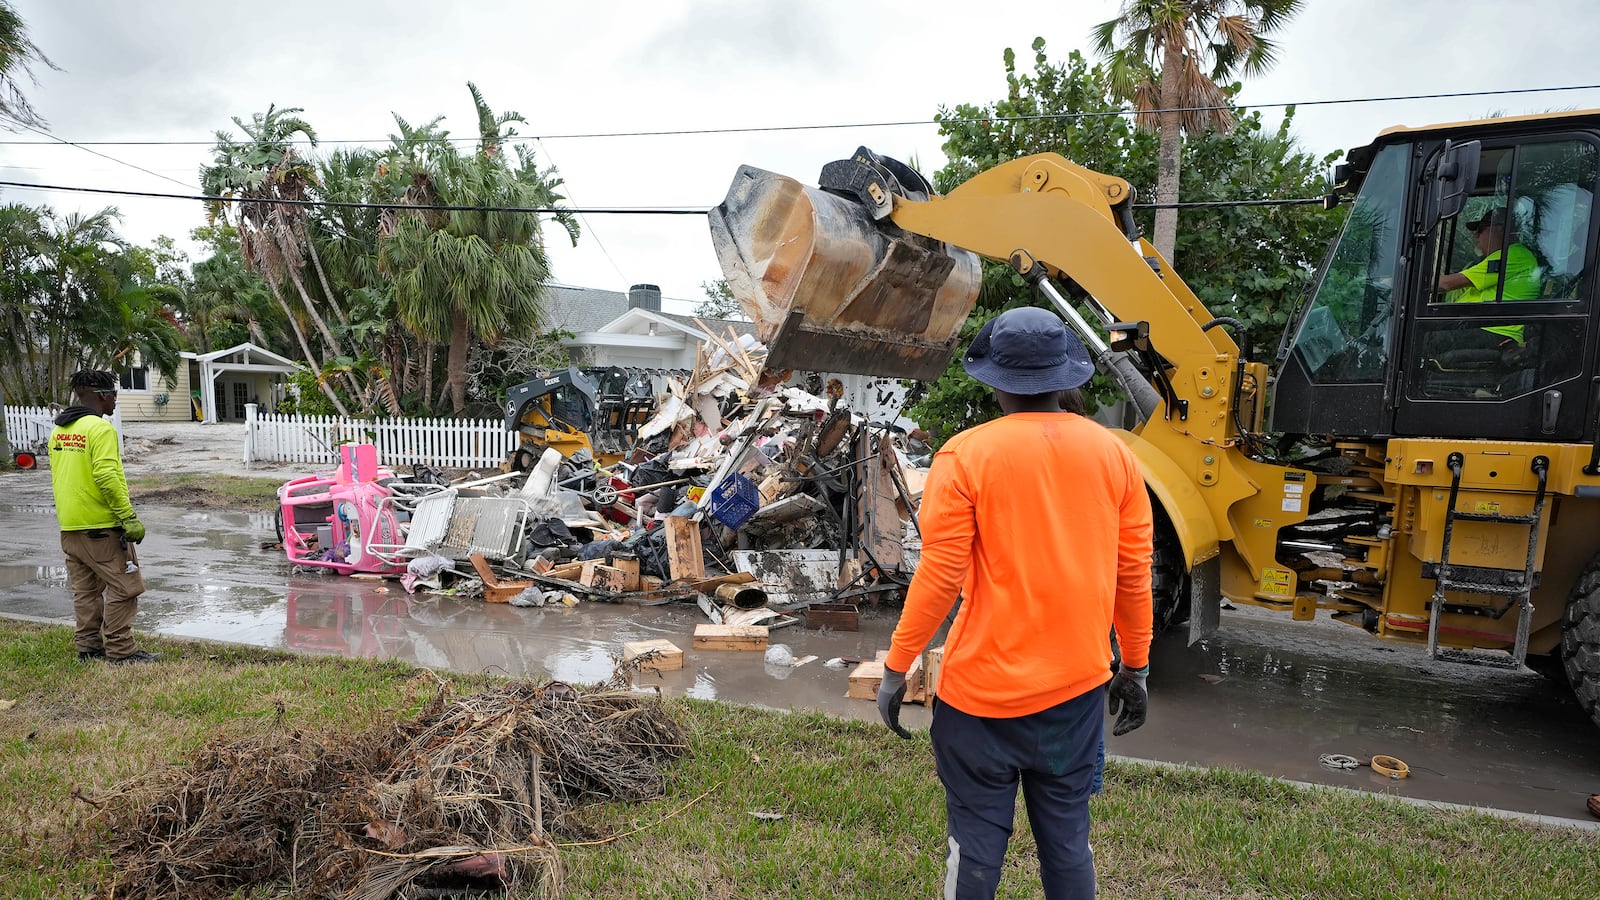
{"x":1169,"y":582}
{"x":1580,"y":641}
{"x":277,"y":519}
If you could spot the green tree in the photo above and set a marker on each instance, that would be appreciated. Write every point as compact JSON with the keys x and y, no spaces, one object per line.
{"x":1169,"y":56}
{"x":272,"y":236}
{"x":18,"y":53}
{"x":73,"y":294}
{"x":1248,"y":262}
{"x":473,"y":274}
{"x":719,"y":302}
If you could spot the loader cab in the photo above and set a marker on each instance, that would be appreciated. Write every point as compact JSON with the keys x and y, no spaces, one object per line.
{"x":1476,"y":324}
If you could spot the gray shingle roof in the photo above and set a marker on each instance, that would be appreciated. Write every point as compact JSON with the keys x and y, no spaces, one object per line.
{"x":580,"y":309}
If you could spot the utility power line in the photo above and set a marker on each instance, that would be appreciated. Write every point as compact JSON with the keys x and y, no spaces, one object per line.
{"x":679,"y":132}
{"x":579,"y":211}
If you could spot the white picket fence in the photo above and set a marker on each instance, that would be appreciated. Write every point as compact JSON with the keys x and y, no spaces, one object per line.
{"x":446,"y":443}
{"x":28,"y":427}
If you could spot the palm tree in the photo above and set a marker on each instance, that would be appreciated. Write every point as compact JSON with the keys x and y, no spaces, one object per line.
{"x":473,"y":273}
{"x":1167,"y":57}
{"x":272,"y":236}
{"x":17,"y":54}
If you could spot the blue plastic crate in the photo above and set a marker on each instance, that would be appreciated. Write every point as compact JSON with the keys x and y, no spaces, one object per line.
{"x":734,"y":500}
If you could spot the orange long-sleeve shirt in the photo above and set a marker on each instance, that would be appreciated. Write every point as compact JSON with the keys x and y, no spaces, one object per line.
{"x":1042,"y":522}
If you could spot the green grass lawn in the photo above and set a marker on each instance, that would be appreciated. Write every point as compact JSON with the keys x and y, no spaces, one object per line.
{"x":861,"y":811}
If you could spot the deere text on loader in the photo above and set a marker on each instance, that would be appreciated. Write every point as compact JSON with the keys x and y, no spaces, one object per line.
{"x":1430,"y":471}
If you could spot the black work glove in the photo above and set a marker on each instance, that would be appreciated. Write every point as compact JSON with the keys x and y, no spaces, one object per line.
{"x":891,"y":693}
{"x":1126,"y":698}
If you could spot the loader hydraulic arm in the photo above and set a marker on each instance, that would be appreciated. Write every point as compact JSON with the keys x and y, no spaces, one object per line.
{"x":1067,"y":218}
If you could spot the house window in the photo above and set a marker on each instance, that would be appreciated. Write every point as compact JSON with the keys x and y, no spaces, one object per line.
{"x":135,"y":379}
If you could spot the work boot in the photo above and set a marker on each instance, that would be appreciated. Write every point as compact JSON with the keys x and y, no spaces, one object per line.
{"x":91,"y":655}
{"x":137,"y":656}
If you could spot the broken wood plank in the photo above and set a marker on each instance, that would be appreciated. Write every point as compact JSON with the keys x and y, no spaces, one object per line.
{"x":935,"y":664}
{"x":659,"y":654}
{"x":566,"y":571}
{"x":730,"y":637}
{"x":495,"y":590}
{"x":685,"y":558}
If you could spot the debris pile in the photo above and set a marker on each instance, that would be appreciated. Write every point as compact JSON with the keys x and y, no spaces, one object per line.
{"x":462,"y":799}
{"x":753,"y":492}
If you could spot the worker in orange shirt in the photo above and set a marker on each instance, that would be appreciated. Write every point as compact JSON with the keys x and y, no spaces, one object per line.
{"x":1040,"y":518}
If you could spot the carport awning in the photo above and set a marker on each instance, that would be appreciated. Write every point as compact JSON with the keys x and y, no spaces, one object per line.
{"x":246,"y":357}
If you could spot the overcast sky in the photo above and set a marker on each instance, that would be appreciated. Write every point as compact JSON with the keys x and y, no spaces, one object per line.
{"x":178,"y":70}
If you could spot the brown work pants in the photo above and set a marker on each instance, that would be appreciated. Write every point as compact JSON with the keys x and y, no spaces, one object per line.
{"x":105,"y":595}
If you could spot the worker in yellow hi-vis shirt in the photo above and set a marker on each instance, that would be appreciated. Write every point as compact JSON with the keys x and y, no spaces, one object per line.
{"x":98,"y":526}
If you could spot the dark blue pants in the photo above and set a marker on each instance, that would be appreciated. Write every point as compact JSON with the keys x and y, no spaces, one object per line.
{"x":1052,"y":753}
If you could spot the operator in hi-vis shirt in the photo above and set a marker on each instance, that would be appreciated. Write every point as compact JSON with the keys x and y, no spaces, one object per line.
{"x":98,"y":526}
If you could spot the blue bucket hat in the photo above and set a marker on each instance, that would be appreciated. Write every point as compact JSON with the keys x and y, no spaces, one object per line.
{"x":1028,"y":351}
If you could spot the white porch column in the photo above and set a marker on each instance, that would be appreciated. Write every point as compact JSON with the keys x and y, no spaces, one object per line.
{"x":249,"y":433}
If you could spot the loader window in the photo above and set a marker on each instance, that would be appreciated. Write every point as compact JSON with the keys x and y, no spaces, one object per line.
{"x":1504,"y":315}
{"x":1344,"y":337}
{"x":1523,"y":233}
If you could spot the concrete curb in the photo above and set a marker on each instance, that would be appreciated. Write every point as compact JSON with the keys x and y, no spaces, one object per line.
{"x":1531,"y":818}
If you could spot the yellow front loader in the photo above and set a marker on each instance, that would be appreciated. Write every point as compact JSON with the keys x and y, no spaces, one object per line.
{"x":1419,"y":467}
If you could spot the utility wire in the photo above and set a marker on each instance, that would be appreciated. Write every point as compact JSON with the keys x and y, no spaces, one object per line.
{"x":85,"y":149}
{"x":347,"y":204}
{"x":578,"y":211}
{"x":587,"y":227}
{"x":677,"y":132}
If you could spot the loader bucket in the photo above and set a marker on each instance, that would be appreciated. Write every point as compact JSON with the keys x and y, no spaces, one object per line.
{"x":830,"y":290}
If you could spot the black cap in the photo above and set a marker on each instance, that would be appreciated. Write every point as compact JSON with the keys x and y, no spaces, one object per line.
{"x":1493,"y":216}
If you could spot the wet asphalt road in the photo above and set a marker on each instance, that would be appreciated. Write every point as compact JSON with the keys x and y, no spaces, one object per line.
{"x":1275,"y":694}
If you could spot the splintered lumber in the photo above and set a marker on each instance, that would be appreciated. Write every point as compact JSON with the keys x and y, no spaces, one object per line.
{"x":685,"y":559}
{"x":495,"y":590}
{"x":730,"y":637}
{"x":659,"y":654}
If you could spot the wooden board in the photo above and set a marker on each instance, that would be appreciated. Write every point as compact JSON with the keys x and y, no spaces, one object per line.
{"x":916,"y":682}
{"x":838,"y":616}
{"x":606,"y":578}
{"x":865,"y":678}
{"x":566,"y":571}
{"x":730,"y":637}
{"x":630,"y":570}
{"x":495,"y":590}
{"x":662,"y":655}
{"x":685,"y":558}
{"x":935,"y":664}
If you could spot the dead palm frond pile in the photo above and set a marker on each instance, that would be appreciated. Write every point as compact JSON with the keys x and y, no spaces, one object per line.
{"x":463,"y":798}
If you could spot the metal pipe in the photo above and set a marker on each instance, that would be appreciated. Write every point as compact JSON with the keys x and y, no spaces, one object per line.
{"x":1311,"y":545}
{"x":1117,"y":365}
